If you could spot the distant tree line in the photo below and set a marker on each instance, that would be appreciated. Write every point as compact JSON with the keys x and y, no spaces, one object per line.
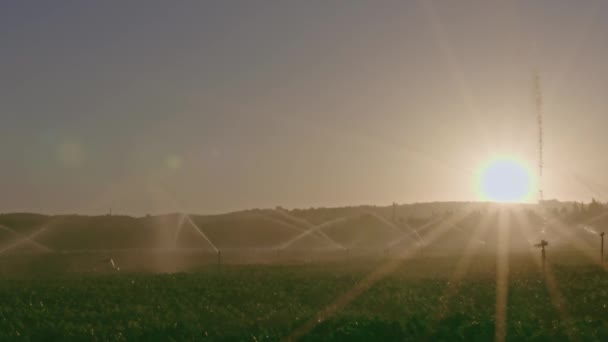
{"x":580,"y":211}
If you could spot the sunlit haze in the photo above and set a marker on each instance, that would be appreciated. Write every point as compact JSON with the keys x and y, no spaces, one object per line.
{"x":208,"y":107}
{"x":310,"y":170}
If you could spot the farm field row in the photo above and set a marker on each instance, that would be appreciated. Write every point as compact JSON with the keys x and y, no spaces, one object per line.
{"x":419,"y":300}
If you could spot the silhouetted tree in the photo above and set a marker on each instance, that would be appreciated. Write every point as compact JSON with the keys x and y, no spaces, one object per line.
{"x":594,"y":208}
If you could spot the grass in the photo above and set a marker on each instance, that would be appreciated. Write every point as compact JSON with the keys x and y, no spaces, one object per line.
{"x":418,"y":301}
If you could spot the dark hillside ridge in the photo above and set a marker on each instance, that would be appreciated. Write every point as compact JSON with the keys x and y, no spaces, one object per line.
{"x":357,"y":227}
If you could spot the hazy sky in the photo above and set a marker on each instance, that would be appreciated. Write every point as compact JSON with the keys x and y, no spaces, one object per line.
{"x":202,"y":106}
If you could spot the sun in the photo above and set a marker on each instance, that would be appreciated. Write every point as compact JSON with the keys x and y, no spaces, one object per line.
{"x":505,"y":179}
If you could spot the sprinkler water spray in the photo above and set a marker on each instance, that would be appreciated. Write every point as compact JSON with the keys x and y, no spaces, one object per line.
{"x":111,"y":262}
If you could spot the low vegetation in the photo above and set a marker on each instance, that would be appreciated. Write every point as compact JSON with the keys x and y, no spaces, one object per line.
{"x":417,"y":301}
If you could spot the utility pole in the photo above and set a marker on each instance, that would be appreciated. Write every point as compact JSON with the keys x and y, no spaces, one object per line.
{"x":539,"y":121}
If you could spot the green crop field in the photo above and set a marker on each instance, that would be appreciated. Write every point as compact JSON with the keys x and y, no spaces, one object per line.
{"x":413,"y":300}
{"x":471,"y":274}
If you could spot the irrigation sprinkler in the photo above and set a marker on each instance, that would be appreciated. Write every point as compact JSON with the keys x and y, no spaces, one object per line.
{"x":542,"y":246}
{"x":602,"y":249}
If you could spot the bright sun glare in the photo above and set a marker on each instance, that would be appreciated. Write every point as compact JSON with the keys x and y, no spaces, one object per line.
{"x":505,"y":179}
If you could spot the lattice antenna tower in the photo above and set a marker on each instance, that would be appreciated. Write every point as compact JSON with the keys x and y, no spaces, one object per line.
{"x":539,"y":121}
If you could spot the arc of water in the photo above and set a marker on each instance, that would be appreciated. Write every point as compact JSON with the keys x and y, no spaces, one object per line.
{"x":113,"y":264}
{"x":200,"y":231}
{"x":36,"y":243}
{"x":178,"y":230}
{"x":546,"y":234}
{"x":409,"y":234}
{"x":185,"y":216}
{"x":292,"y":227}
{"x":288,"y":225}
{"x":590,"y":230}
{"x":24,"y":239}
{"x":126,"y":250}
{"x":407,"y":225}
{"x":308,"y":225}
{"x":581,"y":244}
{"x":386,"y":222}
{"x":312,"y":230}
{"x":459,"y":228}
{"x":395,"y":227}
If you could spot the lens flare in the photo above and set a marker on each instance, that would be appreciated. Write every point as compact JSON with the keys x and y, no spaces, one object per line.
{"x":71,"y":153}
{"x":505,"y":179}
{"x":174,"y":162}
